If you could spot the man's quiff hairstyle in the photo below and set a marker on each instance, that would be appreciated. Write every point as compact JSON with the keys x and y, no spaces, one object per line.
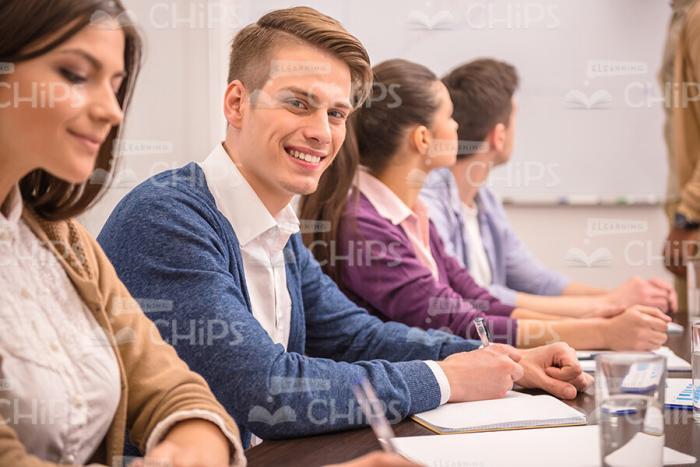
{"x":253,"y":46}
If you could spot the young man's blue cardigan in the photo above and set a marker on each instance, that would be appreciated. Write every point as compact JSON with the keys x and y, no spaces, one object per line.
{"x":178,"y":255}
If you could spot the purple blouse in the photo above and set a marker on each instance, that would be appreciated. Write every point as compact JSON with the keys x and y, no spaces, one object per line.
{"x":378,"y":268}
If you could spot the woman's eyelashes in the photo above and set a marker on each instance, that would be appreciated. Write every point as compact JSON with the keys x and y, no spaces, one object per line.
{"x":72,"y":77}
{"x":76,"y":78}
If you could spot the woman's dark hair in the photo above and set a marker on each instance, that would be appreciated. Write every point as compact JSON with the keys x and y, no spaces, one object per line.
{"x":24,"y":25}
{"x":402,"y":96}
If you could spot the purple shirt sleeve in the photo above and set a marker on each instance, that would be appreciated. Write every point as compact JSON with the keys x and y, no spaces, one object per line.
{"x":377,"y":265}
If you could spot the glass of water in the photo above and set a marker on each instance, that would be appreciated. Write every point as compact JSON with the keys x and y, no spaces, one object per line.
{"x":630,"y":403}
{"x":695,"y":346}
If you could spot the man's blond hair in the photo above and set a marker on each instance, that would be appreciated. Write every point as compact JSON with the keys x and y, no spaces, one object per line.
{"x":252,"y":48}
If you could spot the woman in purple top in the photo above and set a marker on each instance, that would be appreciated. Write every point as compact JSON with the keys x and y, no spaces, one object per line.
{"x":382,"y":249}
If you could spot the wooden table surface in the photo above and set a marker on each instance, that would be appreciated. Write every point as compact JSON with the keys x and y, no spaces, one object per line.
{"x":681,"y":433}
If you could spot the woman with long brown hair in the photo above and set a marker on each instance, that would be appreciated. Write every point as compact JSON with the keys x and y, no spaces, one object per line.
{"x":80,"y":364}
{"x":380,"y":246}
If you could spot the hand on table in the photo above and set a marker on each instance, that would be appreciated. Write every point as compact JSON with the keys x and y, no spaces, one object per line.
{"x":637,"y":328}
{"x":555,"y":369}
{"x":486,"y":373}
{"x":653,"y":292}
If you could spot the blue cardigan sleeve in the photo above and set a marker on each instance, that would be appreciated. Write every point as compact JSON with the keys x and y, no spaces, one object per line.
{"x":339,"y":329}
{"x":170,"y":250}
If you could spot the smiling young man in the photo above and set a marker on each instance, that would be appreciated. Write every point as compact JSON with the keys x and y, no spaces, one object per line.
{"x":217,"y":244}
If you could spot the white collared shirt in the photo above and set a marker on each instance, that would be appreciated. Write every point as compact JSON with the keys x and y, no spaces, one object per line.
{"x":262,"y":238}
{"x":479,"y":266}
{"x":59,"y":377}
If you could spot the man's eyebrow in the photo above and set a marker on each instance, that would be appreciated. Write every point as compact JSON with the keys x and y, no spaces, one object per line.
{"x":314,"y":98}
{"x":90,"y":58}
{"x":343,"y":105}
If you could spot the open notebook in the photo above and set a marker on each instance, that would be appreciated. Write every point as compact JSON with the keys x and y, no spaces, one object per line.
{"x":510,"y":413}
{"x":673,"y":361}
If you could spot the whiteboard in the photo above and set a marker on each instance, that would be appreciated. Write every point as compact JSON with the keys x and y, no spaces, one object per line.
{"x":590,"y":113}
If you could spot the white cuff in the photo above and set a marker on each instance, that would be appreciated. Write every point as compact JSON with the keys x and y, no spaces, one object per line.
{"x":442,"y":381}
{"x":237,"y":457}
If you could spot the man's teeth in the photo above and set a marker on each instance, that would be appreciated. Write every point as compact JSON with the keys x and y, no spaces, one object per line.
{"x":305,"y":157}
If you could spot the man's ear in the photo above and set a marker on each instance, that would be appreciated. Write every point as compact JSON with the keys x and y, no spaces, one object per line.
{"x":235,"y":103}
{"x":419,"y":138}
{"x":497,"y":138}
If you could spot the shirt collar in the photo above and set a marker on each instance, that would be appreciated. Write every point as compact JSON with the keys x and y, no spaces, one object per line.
{"x":385,"y":201}
{"x":11,"y":209}
{"x":239,"y":203}
{"x":455,"y":199}
{"x":444,"y":182}
{"x":441,"y":182}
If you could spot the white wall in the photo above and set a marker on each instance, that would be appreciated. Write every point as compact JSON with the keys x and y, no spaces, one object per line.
{"x":625,"y":240}
{"x":589,"y":101}
{"x":171,"y":119}
{"x":175,"y":117}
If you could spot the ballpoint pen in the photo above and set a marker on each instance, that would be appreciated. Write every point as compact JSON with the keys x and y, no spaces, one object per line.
{"x":372,"y":408}
{"x":483,"y":332}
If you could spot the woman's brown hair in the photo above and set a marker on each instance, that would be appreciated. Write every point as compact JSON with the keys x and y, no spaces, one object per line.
{"x":24,"y":24}
{"x":402,"y":96}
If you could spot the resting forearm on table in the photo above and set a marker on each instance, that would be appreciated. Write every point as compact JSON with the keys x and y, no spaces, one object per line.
{"x":580,"y":334}
{"x":579,"y":288}
{"x":570,"y":307}
{"x":524,"y":313}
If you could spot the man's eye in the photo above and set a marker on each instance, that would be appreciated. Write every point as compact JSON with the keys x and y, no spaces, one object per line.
{"x":337,"y":114}
{"x":297,"y":104}
{"x":73,"y":77}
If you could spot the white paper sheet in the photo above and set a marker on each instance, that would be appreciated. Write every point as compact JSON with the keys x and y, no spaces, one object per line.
{"x":545,"y":447}
{"x":673,"y":361}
